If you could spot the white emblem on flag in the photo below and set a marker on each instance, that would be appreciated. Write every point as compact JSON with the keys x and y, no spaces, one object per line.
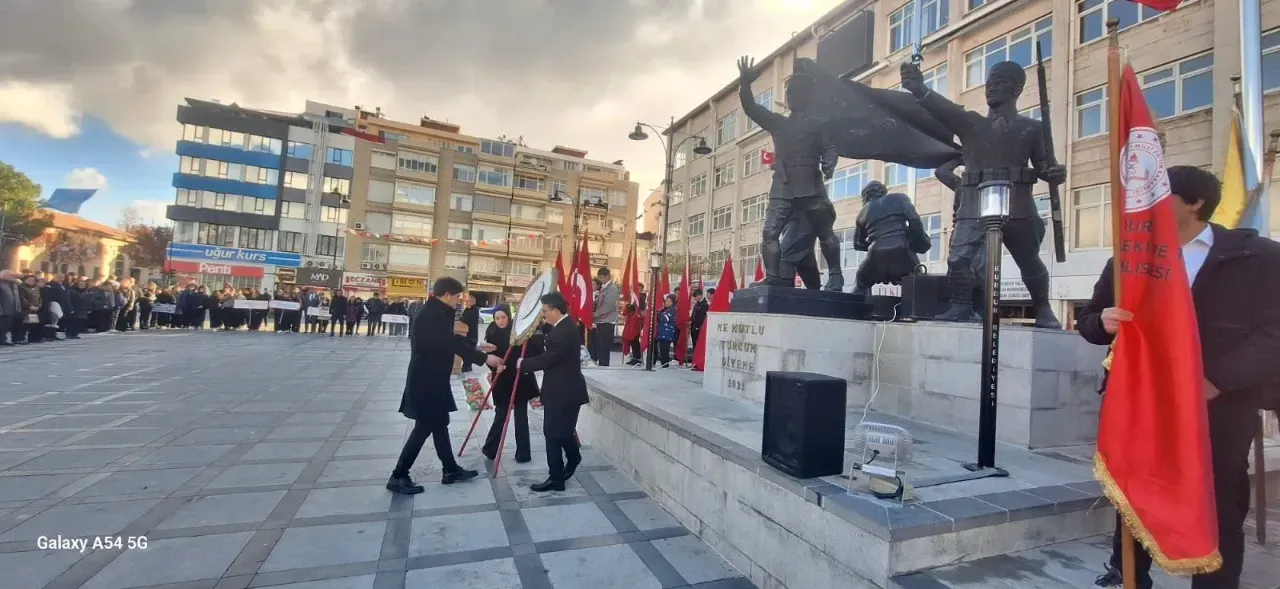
{"x":1142,"y":170}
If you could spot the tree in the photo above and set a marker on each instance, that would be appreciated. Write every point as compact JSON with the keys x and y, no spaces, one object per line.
{"x":19,"y":209}
{"x":150,"y":246}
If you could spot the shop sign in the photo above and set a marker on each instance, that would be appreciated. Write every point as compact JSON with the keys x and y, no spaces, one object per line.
{"x":213,"y":268}
{"x":319,"y":277}
{"x":191,"y":251}
{"x":360,"y":281}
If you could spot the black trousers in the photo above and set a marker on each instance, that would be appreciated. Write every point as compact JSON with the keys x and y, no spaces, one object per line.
{"x":558,"y":427}
{"x":35,"y":331}
{"x":73,"y":325}
{"x":635,"y":349}
{"x":603,"y":343}
{"x":255,"y":319}
{"x":145,"y":319}
{"x":521,"y":416}
{"x":694,"y":334}
{"x":374,"y":322}
{"x":1231,"y":430}
{"x":664,"y":352}
{"x":439,"y":434}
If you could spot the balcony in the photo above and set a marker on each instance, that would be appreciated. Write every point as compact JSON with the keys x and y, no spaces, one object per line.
{"x":605,"y":176}
{"x":486,"y":277}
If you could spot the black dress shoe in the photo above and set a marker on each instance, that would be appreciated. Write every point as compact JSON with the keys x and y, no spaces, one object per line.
{"x":489,"y":455}
{"x":547,"y":485}
{"x":570,"y":468}
{"x":403,"y":485}
{"x":458,"y":476}
{"x":523,"y":459}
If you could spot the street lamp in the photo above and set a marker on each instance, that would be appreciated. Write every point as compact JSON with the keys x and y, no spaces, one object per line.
{"x":651,"y":322}
{"x":994,"y":197}
{"x":700,"y":148}
{"x":338,"y":225}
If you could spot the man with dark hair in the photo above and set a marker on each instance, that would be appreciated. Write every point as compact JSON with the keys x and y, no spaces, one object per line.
{"x":1234,"y":276}
{"x":428,"y":393}
{"x":698,"y":318}
{"x":470,"y":318}
{"x":564,"y":392}
{"x":605,"y":316}
{"x":635,"y":326}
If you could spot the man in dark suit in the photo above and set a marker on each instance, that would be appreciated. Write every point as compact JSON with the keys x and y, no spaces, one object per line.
{"x":428,"y":393}
{"x":1234,"y":276}
{"x":470,"y":318}
{"x":564,"y":392}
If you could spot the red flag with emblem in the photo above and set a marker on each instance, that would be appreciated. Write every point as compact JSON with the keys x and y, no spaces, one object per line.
{"x":766,"y":157}
{"x":1161,"y":5}
{"x":759,"y":269}
{"x":562,"y":281}
{"x":684,"y":307}
{"x":719,"y":304}
{"x":583,"y":302}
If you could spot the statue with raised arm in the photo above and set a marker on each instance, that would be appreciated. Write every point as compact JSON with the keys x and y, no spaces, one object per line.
{"x":804,"y":158}
{"x":1000,"y":145}
{"x":890,"y":231}
{"x":797,"y":254}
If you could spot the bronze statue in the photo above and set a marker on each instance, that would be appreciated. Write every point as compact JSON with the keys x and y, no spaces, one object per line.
{"x":996,"y":146}
{"x":804,"y":158}
{"x":890,"y":231}
{"x":797,"y":254}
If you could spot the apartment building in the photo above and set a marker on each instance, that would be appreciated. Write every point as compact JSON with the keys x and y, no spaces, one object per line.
{"x":1185,"y":60}
{"x":430,"y":201}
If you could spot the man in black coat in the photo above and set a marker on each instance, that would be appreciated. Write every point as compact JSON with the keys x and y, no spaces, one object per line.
{"x":564,"y":392}
{"x":428,"y":392}
{"x":337,"y":313}
{"x":1234,"y":276}
{"x":470,"y":318}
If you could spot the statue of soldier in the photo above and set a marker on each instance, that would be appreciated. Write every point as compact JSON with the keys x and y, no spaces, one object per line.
{"x":797,"y":254}
{"x":804,"y":158}
{"x":890,"y":231}
{"x":994,"y":147}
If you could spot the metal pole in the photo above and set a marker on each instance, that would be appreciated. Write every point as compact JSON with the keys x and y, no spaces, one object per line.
{"x":666,"y":210}
{"x":988,"y":391}
{"x":1251,"y":103}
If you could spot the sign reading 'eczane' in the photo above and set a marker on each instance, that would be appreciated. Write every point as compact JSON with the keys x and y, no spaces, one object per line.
{"x":193,"y":251}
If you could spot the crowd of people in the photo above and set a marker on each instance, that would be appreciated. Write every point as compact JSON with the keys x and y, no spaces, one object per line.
{"x":667,"y":325}
{"x":36,"y":307}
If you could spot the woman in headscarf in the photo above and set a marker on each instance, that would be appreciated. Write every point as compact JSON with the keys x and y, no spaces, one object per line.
{"x":499,"y":334}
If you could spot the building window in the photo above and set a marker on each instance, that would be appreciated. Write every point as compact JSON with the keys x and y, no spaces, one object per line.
{"x":188,"y":198}
{"x":753,"y":208}
{"x":255,"y":239}
{"x":460,"y":202}
{"x":529,"y":212}
{"x":299,"y":150}
{"x":256,"y":206}
{"x":293,"y":210}
{"x":490,"y":204}
{"x":498,"y":148}
{"x":374,"y":253}
{"x":377,"y":222}
{"x":697,"y":224}
{"x":764,"y":99}
{"x":848,"y":181}
{"x":228,"y":138}
{"x":227,"y":170}
{"x":1271,"y":62}
{"x":340,"y":186}
{"x":555,"y":215}
{"x":421,"y":164}
{"x":674,"y":231}
{"x":618,"y":198}
{"x":194,"y":133}
{"x":410,"y":225}
{"x":460,"y":231}
{"x":677,"y":195}
{"x":1094,"y":15}
{"x":529,"y":183}
{"x":682,"y":157}
{"x":481,"y":232}
{"x":1181,"y":88}
{"x":415,"y":194}
{"x":265,"y":144}
{"x":896,"y":175}
{"x":455,"y":262}
{"x":408,"y":255}
{"x":383,"y":160}
{"x":1046,"y":214}
{"x":342,"y":157}
{"x":557,"y":188}
{"x":292,"y":241}
{"x":722,"y":218}
{"x":494,"y":176}
{"x":220,"y":235}
{"x":1031,"y":112}
{"x":1018,"y":46}
{"x":588,"y":194}
{"x":727,"y":129}
{"x":183,"y":232}
{"x":1091,"y":224}
{"x":698,"y":186}
{"x":902,"y":22}
{"x":464,"y":149}
{"x":933,"y":226}
{"x":257,"y":175}
{"x":569,"y":166}
{"x":751,"y":162}
{"x":299,"y":180}
{"x":189,"y":165}
{"x":333,"y":215}
{"x":748,"y":257}
{"x":724,"y":174}
{"x":464,"y":173}
{"x":936,"y":79}
{"x":328,"y":245}
{"x":1091,"y":113}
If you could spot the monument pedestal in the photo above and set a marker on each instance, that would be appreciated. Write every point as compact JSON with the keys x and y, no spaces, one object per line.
{"x":785,"y":300}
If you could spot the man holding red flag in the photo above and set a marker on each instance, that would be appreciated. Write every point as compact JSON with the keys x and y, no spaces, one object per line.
{"x":684,"y":310}
{"x":1159,"y":442}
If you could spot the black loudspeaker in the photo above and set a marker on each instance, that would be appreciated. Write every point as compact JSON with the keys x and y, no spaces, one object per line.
{"x":804,"y":416}
{"x":924,"y":296}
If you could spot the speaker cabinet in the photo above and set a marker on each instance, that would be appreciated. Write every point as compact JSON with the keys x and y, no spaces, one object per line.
{"x":804,"y":415}
{"x":924,"y":296}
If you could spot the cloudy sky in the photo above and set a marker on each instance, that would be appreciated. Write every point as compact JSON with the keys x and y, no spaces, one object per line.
{"x":88,"y":88}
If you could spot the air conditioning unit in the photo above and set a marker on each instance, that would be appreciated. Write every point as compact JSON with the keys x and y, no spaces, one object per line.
{"x":322,"y":265}
{"x":542,"y":167}
{"x":310,"y":264}
{"x":377,"y":266}
{"x":366,"y":265}
{"x":358,"y":226}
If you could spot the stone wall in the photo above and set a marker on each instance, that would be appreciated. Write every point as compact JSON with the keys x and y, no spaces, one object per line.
{"x":925,"y":371}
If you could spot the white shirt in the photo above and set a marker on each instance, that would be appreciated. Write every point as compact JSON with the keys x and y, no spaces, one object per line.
{"x":557,"y":321}
{"x":1196,"y":251}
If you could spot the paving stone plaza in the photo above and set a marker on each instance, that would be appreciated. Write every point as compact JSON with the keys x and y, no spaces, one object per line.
{"x":258,"y":460}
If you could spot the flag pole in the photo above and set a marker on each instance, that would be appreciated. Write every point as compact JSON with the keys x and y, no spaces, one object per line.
{"x":1251,"y":104}
{"x":1128,"y":567}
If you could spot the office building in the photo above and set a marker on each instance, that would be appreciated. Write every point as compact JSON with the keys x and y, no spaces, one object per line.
{"x":1185,"y":59}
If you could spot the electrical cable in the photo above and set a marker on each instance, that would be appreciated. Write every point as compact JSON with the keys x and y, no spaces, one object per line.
{"x":875,"y":363}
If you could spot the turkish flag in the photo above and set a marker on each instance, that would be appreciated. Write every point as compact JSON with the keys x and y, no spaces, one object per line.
{"x":766,"y":157}
{"x":655,"y":302}
{"x":719,"y":304}
{"x":759,"y":269}
{"x":684,"y":306}
{"x":582,"y":292}
{"x":1153,"y":455}
{"x":562,"y":281}
{"x":1161,"y":5}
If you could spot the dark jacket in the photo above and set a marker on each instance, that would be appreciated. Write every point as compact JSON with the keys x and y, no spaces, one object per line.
{"x":699,"y":313}
{"x":427,"y":393}
{"x":338,"y":306}
{"x":81,"y":302}
{"x":561,"y":364}
{"x":28,"y":298}
{"x":667,"y":324}
{"x":471,"y":318}
{"x":9,"y":298}
{"x":501,"y":338}
{"x":1238,"y":313}
{"x":376,"y":307}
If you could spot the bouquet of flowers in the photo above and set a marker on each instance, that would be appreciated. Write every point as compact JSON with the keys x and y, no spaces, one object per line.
{"x":476,"y":386}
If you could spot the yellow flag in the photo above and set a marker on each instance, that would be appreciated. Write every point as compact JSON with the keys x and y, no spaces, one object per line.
{"x":1235,"y":196}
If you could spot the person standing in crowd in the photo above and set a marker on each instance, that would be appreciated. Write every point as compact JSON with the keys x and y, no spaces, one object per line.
{"x":697,"y":319}
{"x":355,"y":312}
{"x":80,"y":304}
{"x":428,"y":393}
{"x":1234,"y":276}
{"x":146,"y":300}
{"x":10,"y":308}
{"x":376,"y":308}
{"x":666,"y":329}
{"x":129,"y":310}
{"x":202,"y":302}
{"x":635,"y":326}
{"x":606,"y":316}
{"x":499,"y":335}
{"x":470,"y":318}
{"x":258,"y":316}
{"x":398,"y":308}
{"x":117,"y":308}
{"x":564,"y":392}
{"x":104,"y":299}
{"x":337,"y":313}
{"x":591,"y":329}
{"x":29,"y":299}
{"x":166,"y":296}
{"x":411,"y":310}
{"x":57,"y":303}
{"x":311,"y":300}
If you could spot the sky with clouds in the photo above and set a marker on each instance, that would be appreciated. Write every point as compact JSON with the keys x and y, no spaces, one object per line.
{"x":89,"y":88}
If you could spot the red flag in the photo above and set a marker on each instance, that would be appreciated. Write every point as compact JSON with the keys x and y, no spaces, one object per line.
{"x":1161,"y":5}
{"x":1153,"y":436}
{"x":626,"y":282}
{"x":719,"y":304}
{"x":656,"y":296}
{"x":562,"y":281}
{"x":759,"y":269}
{"x":684,"y":306}
{"x":582,"y":301}
{"x":766,"y":157}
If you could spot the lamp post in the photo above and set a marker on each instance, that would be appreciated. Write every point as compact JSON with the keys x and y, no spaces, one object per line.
{"x":338,"y":225}
{"x":577,"y":215}
{"x":994,"y":196}
{"x":701,"y":148}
